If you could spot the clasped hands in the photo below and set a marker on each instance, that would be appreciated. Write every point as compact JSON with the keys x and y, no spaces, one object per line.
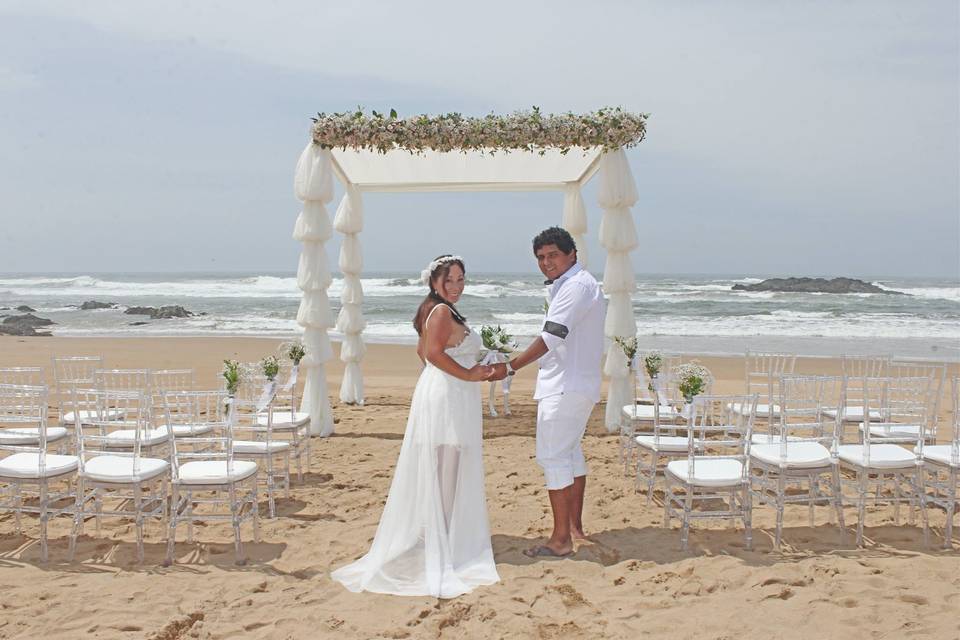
{"x":488,"y":372}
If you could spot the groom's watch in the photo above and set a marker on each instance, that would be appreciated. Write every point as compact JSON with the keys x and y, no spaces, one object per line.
{"x":510,"y":370}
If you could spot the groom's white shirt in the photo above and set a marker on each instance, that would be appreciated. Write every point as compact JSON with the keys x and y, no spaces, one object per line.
{"x":573,"y":333}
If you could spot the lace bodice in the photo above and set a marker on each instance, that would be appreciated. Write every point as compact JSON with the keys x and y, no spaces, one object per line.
{"x":467,"y":352}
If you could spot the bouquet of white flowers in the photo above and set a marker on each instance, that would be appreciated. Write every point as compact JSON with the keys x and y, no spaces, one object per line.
{"x":692,"y":379}
{"x":497,"y":339}
{"x":629,"y":346}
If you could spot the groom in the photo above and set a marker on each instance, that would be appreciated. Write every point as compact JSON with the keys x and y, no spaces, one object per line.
{"x":570,"y":348}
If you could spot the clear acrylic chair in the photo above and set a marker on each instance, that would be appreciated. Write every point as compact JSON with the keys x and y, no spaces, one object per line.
{"x":716,"y":471}
{"x":70,"y":372}
{"x":30,"y":376}
{"x":255,"y":438}
{"x":163,"y":381}
{"x":134,"y":484}
{"x":654,"y":450}
{"x":855,"y":370}
{"x":892,"y":471}
{"x":31,"y":479}
{"x":287,"y":422}
{"x":762,"y":373}
{"x":205,"y":472}
{"x":122,"y":379}
{"x":638,"y":417}
{"x":797,"y":467}
{"x":937,"y":374}
{"x":28,"y":433}
{"x":941,"y":472}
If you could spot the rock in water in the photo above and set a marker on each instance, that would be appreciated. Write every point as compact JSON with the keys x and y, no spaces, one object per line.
{"x":173,"y":311}
{"x":814,"y":285}
{"x":24,"y":325}
{"x":24,"y":308}
{"x":94,"y":304}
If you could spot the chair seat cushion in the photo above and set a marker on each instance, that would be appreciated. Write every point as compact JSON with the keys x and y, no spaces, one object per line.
{"x":762,"y":409}
{"x":30,"y":435}
{"x":27,"y":465}
{"x":285,"y":419}
{"x":800,"y":455}
{"x":888,"y":430}
{"x":254,"y":446}
{"x":852,"y":414}
{"x":124,"y":438}
{"x":882,"y":456}
{"x":663,"y":443}
{"x":645,"y":412}
{"x":90,"y":414}
{"x":938,"y":453}
{"x":120,"y":469}
{"x":215,"y":471}
{"x":185,"y":430}
{"x":708,"y":472}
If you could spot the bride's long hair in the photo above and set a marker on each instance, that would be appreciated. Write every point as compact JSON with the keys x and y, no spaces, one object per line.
{"x":434,"y":298}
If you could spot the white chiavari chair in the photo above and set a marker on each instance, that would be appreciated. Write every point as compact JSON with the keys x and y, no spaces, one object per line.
{"x":855,"y":370}
{"x":73,"y":372}
{"x":762,"y":373}
{"x":133,"y":484}
{"x":716,"y":471}
{"x":941,"y":472}
{"x":797,"y":466}
{"x":892,"y":471}
{"x":256,"y":441}
{"x":31,"y":479}
{"x":205,"y":471}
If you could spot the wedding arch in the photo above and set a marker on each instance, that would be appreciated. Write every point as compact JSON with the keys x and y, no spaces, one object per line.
{"x":524,"y":151}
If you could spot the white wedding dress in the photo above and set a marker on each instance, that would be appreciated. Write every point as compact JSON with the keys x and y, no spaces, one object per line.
{"x":434,"y":535}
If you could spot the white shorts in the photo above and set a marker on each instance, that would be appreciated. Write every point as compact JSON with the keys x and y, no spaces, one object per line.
{"x":561,"y":421}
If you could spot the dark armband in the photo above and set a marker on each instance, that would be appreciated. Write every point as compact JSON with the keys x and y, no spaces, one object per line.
{"x":555,"y":329}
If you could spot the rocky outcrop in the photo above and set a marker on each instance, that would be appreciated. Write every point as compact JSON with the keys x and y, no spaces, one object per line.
{"x":25,"y":325}
{"x":161,"y":313}
{"x":814,"y":285}
{"x":94,"y":304}
{"x":25,"y":309}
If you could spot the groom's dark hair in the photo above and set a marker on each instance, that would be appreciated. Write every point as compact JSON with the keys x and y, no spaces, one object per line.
{"x":557,"y":236}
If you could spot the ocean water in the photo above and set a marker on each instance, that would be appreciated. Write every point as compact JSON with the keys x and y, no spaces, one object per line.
{"x":690,"y":313}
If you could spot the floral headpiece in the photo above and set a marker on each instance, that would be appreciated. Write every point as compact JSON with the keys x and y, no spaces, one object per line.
{"x":427,"y":273}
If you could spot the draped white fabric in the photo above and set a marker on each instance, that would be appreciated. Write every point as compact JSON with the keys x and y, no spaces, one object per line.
{"x":313,"y":184}
{"x":350,"y":322}
{"x":575,"y":220}
{"x":618,"y":236}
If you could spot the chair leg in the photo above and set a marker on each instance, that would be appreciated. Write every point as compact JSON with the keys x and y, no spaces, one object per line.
{"x":43,"y":521}
{"x":256,"y":511}
{"x":812,"y":497}
{"x":189,"y":516}
{"x":951,"y":507}
{"x":18,"y":506}
{"x":861,"y":503}
{"x":172,"y":532}
{"x":923,"y":506}
{"x":687,"y":510}
{"x":781,"y":494}
{"x":838,"y":499}
{"x":652,"y":480}
{"x":77,"y":520}
{"x":138,"y":507}
{"x":897,"y":497}
{"x":235,"y":508}
{"x":747,"y":507}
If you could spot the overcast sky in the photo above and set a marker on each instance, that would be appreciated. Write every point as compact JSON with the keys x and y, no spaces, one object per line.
{"x":787,"y":138}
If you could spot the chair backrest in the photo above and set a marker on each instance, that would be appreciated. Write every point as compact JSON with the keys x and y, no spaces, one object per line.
{"x":762,"y":372}
{"x":855,"y":370}
{"x":171,"y":380}
{"x":720,"y":426}
{"x":30,"y":376}
{"x":200,"y":408}
{"x":25,"y":407}
{"x":804,"y":404}
{"x":115,"y":412}
{"x":897,"y":401}
{"x":253,"y":418}
{"x":663,"y":386}
{"x":122,"y":379}
{"x":70,"y":371}
{"x":938,"y":377}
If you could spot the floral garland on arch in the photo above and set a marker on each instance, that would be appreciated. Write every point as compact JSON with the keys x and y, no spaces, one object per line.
{"x":610,"y":128}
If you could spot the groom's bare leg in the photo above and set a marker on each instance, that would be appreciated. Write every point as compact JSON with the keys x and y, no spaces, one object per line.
{"x":577,"y":490}
{"x":560,"y":541}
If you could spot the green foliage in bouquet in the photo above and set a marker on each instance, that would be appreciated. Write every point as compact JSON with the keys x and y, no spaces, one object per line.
{"x":629,"y":346}
{"x":692,"y":379}
{"x":270,"y":367}
{"x":295,"y":351}
{"x":232,"y":374}
{"x":496,"y":339}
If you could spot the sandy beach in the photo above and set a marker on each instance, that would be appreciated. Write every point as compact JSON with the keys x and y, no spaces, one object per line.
{"x":631,"y":580}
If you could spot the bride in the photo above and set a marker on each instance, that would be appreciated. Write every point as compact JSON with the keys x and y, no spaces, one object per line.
{"x":434,"y":537}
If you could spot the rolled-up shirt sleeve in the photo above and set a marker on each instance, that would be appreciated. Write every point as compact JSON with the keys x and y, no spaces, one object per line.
{"x":566,"y":310}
